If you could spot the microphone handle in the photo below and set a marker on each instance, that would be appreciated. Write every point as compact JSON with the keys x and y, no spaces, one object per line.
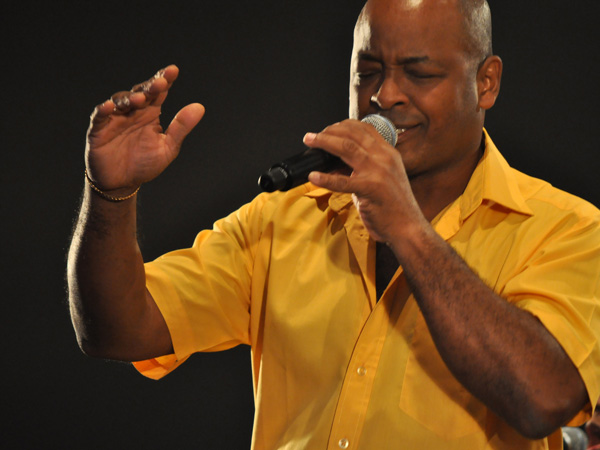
{"x":294,"y":171}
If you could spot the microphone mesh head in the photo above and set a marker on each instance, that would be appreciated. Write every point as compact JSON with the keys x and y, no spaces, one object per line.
{"x":384,"y":127}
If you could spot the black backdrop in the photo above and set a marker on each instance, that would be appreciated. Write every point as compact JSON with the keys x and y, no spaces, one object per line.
{"x":267,"y":72}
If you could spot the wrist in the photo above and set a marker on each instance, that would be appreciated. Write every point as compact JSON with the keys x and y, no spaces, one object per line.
{"x":113,"y":195}
{"x":412,"y":240}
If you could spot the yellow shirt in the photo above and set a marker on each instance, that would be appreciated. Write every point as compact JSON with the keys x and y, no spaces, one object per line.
{"x":293,"y":275}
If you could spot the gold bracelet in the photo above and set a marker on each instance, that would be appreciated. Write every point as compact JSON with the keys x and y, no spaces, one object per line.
{"x":106,"y":196}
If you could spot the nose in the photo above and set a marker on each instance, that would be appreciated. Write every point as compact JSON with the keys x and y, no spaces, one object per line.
{"x":390,"y":92}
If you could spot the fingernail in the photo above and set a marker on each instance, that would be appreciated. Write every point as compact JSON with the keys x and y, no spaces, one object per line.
{"x":309,"y":137}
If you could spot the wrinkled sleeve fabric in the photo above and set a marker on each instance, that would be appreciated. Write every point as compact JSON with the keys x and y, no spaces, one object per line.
{"x":203,"y":292}
{"x":560,"y":285}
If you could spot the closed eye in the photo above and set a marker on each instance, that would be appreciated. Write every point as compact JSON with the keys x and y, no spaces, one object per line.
{"x":366,"y":74}
{"x":422,"y":75}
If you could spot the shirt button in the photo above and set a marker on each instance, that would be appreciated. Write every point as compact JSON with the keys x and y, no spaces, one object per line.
{"x":343,"y":443}
{"x":361,"y":371}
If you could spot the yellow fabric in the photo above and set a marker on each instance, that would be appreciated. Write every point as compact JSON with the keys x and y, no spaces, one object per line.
{"x":293,"y":275}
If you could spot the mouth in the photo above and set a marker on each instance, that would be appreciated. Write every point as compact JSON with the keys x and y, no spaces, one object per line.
{"x":402,"y":132}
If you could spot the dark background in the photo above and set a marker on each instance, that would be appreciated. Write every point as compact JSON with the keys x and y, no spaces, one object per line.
{"x":267,"y":72}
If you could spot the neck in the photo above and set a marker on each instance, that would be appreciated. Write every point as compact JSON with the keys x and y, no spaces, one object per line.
{"x":435,"y":191}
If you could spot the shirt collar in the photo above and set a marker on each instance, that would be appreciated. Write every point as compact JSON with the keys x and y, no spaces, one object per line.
{"x":493,"y":180}
{"x":337,"y":200}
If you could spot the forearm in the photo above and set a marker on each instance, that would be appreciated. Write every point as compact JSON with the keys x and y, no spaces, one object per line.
{"x":113,"y":313}
{"x":501,"y":354}
{"x":106,"y":277}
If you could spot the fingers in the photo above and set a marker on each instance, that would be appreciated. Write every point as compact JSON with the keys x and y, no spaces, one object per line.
{"x":333,"y":182}
{"x":150,"y":92}
{"x":359,"y":145}
{"x":101,"y":115}
{"x":185,"y":120}
{"x":350,"y":140}
{"x":156,"y":88}
{"x":125,"y":101}
{"x":169,"y":74}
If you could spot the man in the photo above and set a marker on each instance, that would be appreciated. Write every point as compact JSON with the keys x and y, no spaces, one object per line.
{"x":434,"y":298}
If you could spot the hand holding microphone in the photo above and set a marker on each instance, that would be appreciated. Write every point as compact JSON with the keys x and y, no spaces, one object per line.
{"x":294,"y":171}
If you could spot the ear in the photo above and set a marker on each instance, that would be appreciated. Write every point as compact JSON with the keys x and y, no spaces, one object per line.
{"x":488,"y":81}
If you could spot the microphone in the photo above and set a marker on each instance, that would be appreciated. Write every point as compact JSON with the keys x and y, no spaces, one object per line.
{"x":574,"y":438}
{"x":294,"y":171}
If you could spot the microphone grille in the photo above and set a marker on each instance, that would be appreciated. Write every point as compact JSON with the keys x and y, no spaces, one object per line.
{"x":384,"y":127}
{"x":574,"y":438}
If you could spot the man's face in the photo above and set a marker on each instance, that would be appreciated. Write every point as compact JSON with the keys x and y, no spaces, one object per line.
{"x":410,"y":64}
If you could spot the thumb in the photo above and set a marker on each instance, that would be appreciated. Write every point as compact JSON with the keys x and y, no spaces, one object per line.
{"x":183,"y":122}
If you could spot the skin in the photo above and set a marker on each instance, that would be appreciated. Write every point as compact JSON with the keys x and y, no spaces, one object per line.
{"x":592,"y":429}
{"x":396,"y":190}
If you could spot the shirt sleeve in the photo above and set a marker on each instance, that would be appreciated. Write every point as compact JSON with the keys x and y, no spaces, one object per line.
{"x":203,"y":292}
{"x":560,"y":285}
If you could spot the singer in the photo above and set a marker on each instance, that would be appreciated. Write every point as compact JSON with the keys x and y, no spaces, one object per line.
{"x":433,"y":298}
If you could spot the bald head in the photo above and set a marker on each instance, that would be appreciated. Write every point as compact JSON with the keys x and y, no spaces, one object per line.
{"x":477,"y":22}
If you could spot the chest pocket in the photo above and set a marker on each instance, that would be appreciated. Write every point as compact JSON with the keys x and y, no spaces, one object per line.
{"x":432,"y":396}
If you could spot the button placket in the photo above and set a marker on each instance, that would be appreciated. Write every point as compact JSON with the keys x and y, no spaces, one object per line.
{"x":358,"y":382}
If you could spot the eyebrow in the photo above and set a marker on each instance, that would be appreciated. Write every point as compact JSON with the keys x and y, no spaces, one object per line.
{"x":402,"y":61}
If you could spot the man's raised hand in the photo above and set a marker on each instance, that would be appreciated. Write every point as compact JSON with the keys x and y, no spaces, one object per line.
{"x":126,"y":145}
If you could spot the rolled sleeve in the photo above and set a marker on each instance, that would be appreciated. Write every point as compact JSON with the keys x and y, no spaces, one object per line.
{"x":560,"y":286}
